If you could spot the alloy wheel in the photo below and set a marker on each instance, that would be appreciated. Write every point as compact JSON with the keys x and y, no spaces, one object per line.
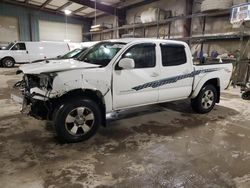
{"x":207,"y":99}
{"x":79,"y":121}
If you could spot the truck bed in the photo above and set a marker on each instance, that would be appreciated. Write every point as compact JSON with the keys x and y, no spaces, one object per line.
{"x":220,"y":71}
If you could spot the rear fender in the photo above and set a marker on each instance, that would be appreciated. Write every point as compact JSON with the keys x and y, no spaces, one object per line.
{"x":203,"y":81}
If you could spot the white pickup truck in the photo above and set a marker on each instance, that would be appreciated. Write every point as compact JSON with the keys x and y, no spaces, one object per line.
{"x":114,"y":75}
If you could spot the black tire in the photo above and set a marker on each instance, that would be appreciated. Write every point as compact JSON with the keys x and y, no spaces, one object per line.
{"x":69,"y":111}
{"x":246,"y":95}
{"x":206,"y":99}
{"x":8,"y":62}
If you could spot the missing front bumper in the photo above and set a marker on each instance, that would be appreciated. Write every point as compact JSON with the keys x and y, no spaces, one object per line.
{"x":30,"y":106}
{"x":19,"y":98}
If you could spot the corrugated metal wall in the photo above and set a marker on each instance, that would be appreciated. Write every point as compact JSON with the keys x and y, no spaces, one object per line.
{"x":28,"y":20}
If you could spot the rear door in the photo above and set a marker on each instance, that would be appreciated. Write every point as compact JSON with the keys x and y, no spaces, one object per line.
{"x":133,"y":87}
{"x":176,"y":78}
{"x":20,"y":53}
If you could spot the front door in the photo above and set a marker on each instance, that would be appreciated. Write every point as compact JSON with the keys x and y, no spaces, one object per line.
{"x":20,"y":53}
{"x":133,"y":87}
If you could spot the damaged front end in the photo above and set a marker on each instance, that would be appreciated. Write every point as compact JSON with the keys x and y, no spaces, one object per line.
{"x":35,"y":92}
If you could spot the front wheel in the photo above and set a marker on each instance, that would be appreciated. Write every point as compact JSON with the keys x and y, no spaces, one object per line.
{"x":77,"y":120}
{"x":206,"y":100}
{"x":8,"y":62}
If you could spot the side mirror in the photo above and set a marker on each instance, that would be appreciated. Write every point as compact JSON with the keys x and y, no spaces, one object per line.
{"x":126,"y":63}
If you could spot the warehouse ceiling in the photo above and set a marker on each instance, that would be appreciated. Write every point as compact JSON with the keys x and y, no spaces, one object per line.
{"x":82,"y":8}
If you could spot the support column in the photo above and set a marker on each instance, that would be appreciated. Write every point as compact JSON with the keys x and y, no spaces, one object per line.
{"x":34,"y":27}
{"x":187,"y":22}
{"x":121,"y":21}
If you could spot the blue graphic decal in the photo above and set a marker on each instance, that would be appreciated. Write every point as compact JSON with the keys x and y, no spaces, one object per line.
{"x":174,"y":79}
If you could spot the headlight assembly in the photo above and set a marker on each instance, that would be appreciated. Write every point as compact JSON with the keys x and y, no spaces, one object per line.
{"x":46,"y":80}
{"x":42,"y":81}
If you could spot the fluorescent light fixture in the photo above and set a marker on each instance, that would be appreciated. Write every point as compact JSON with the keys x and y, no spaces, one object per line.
{"x":95,"y":26}
{"x":67,"y":12}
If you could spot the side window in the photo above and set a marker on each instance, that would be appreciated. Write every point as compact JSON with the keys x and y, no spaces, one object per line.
{"x":142,"y":54}
{"x":19,"y":46}
{"x":173,"y":54}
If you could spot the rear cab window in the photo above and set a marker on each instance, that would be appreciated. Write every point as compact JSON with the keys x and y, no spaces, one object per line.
{"x":173,"y":54}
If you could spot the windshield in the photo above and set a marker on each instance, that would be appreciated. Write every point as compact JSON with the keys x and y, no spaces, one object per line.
{"x":9,"y":46}
{"x":102,"y":53}
{"x":72,"y":53}
{"x":80,"y":53}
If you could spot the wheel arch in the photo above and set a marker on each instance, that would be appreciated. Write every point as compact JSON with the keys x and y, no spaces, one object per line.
{"x":8,"y":57}
{"x":91,"y":94}
{"x":212,"y":81}
{"x":216,"y":83}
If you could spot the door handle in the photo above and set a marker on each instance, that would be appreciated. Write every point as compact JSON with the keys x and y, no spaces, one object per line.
{"x":27,"y":52}
{"x":154,"y":74}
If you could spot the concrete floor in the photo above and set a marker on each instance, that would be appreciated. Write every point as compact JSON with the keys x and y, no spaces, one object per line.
{"x":163,"y":145}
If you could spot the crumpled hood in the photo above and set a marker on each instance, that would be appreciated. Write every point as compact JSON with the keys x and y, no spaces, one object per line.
{"x":55,"y":66}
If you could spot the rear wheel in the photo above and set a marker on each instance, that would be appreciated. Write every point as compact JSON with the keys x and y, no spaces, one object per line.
{"x":206,"y":100}
{"x":8,"y":62}
{"x":77,"y":120}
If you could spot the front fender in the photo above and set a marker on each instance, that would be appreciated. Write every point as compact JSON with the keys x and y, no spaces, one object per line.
{"x":1,"y":58}
{"x":61,"y":88}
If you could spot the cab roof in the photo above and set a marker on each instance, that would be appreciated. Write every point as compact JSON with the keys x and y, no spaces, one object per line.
{"x":134,"y":40}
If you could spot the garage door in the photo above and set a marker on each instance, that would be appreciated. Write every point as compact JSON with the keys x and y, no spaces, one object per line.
{"x":55,"y":31}
{"x":8,"y":29}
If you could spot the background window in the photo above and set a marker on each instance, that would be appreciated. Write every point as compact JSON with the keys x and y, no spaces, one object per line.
{"x":9,"y":29}
{"x":173,"y":55}
{"x":142,"y":54}
{"x":55,"y":31}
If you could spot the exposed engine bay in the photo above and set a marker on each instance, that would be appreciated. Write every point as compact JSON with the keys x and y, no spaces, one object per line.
{"x":39,"y":109}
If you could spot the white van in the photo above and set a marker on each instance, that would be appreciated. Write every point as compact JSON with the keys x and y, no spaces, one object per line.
{"x":24,"y":52}
{"x":78,"y":49}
